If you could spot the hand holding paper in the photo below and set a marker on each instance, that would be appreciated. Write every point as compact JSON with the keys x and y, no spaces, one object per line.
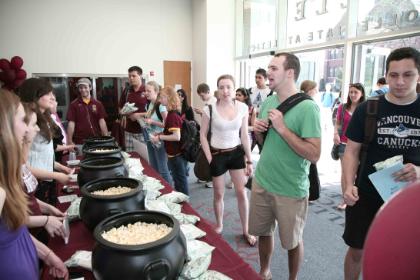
{"x":384,"y":180}
{"x":408,"y":173}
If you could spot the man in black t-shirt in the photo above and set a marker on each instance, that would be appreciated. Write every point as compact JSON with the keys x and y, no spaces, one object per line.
{"x":397,"y":133}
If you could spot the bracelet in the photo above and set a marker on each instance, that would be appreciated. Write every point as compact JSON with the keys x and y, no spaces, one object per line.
{"x":46,"y":221}
{"x":248,"y":162}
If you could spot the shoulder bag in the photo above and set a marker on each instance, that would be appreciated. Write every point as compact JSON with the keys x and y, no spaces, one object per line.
{"x":335,"y":149}
{"x":202,"y":166}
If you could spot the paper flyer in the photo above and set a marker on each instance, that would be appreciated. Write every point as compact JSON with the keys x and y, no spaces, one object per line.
{"x":385,"y":183}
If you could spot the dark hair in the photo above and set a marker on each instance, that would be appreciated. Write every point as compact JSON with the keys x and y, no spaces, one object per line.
{"x":245,"y":93}
{"x":291,"y":62}
{"x":360,"y":87}
{"x":381,"y":81}
{"x":137,"y":69}
{"x":404,"y":53}
{"x":226,"y":77}
{"x":261,"y":72}
{"x":203,"y":87}
{"x":31,"y":91}
{"x":184,"y":105}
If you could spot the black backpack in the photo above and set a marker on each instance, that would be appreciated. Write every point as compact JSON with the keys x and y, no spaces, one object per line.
{"x":190,"y":140}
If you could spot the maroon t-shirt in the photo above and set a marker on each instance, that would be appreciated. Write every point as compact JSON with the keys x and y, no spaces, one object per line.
{"x":138,"y":98}
{"x":173,"y":122}
{"x":86,"y":118}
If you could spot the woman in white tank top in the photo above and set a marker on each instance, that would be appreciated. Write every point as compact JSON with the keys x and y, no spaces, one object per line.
{"x":229,"y":149}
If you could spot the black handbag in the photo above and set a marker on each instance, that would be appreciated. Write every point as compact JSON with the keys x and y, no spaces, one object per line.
{"x":334,"y":152}
{"x":202,"y":166}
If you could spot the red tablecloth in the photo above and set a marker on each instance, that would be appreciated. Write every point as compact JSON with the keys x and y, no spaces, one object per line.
{"x":224,"y":259}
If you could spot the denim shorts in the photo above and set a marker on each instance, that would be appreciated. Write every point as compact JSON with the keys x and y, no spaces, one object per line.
{"x":224,"y":161}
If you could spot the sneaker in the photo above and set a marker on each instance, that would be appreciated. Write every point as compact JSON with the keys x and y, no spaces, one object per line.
{"x":209,"y":185}
{"x":229,"y":185}
{"x":199,"y":181}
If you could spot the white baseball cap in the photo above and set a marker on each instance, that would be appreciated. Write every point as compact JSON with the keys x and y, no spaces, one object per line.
{"x":84,"y":81}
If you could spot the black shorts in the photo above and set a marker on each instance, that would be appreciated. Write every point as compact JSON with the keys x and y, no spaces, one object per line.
{"x":358,"y":220}
{"x":224,"y":161}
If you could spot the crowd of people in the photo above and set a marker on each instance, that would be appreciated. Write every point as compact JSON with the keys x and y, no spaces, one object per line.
{"x":32,"y":138}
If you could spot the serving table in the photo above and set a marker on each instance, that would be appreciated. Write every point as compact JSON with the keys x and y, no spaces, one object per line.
{"x":224,"y":259}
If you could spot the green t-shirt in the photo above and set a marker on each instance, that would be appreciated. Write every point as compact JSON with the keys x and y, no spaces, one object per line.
{"x":280,"y":170}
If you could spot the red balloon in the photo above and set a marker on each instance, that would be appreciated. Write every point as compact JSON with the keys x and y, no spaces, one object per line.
{"x":17,"y":83}
{"x":16,"y":62}
{"x":20,"y":74}
{"x":10,"y":75}
{"x":392,"y":247}
{"x":4,"y":64}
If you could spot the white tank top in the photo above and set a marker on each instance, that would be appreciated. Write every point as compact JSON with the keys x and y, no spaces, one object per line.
{"x":225,"y":133}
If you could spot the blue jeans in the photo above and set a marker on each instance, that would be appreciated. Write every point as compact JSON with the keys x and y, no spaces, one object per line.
{"x":178,"y":167}
{"x":158,"y":159}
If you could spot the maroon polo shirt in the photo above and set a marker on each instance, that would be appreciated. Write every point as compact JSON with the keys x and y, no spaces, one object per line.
{"x":173,"y":122}
{"x":86,"y":118}
{"x":138,"y":98}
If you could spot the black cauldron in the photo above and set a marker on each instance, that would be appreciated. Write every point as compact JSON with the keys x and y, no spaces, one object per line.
{"x":108,"y":151}
{"x":97,"y":168}
{"x":161,"y":259}
{"x":95,"y":208}
{"x":99,"y":140}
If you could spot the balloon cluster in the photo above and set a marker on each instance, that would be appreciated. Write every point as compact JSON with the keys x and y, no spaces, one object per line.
{"x":11,"y":73}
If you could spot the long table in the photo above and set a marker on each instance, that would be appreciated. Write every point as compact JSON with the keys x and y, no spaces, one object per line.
{"x":224,"y":259}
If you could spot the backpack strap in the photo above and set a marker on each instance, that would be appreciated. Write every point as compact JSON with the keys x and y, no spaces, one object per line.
{"x":340,"y":129}
{"x":370,"y":127}
{"x":209,"y":131}
{"x":288,"y":104}
{"x":292,"y":101}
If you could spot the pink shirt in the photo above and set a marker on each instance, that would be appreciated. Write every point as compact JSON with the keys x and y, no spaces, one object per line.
{"x":344,"y":124}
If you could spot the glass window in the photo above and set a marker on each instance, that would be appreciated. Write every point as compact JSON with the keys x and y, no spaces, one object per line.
{"x":314,"y":22}
{"x":370,"y":59}
{"x":379,"y":16}
{"x":258,"y":26}
{"x":107,"y":93}
{"x":322,"y":66}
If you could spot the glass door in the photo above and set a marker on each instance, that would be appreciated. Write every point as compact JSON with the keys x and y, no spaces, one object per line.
{"x":370,"y":59}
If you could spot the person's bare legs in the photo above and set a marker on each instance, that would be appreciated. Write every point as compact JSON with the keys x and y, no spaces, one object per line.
{"x":265,"y":251}
{"x":218,"y":204}
{"x":353,"y":264}
{"x":239,"y":180}
{"x":295,"y":257}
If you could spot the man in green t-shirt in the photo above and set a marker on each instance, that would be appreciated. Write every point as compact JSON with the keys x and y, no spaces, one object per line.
{"x":280,"y":186}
